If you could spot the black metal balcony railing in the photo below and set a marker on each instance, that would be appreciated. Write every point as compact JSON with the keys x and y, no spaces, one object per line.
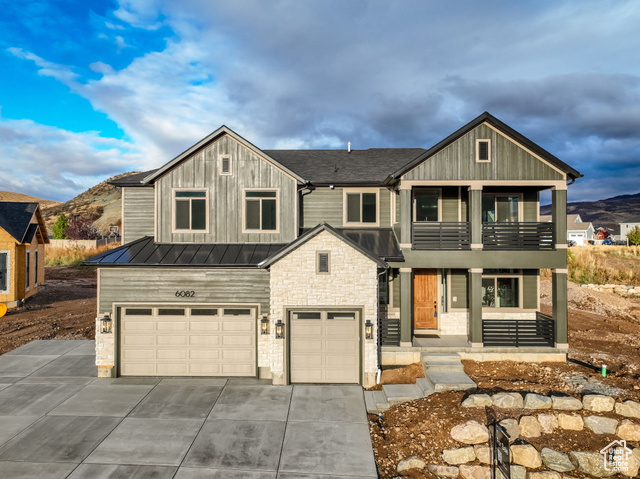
{"x":517,"y":236}
{"x":440,"y":236}
{"x":518,"y":332}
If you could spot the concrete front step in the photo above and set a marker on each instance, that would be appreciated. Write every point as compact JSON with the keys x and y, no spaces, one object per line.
{"x":427,"y":387}
{"x":375,"y":401}
{"x":451,"y":381}
{"x":397,"y":393}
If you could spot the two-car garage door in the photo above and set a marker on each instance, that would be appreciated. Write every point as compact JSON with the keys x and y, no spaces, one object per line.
{"x":188,"y":341}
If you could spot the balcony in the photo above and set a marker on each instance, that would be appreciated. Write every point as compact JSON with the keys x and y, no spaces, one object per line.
{"x":518,"y":236}
{"x":440,"y":236}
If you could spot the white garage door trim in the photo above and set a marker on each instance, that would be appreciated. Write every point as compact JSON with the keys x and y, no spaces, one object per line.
{"x":324,"y":345}
{"x":187,"y":340}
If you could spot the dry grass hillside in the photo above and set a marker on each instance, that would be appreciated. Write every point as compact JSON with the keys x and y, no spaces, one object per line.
{"x":19,"y":197}
{"x":101,"y":204}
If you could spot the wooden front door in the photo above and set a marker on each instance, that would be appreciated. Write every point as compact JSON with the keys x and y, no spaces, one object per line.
{"x":425,"y":299}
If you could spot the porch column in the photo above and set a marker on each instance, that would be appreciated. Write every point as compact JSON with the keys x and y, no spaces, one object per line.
{"x":405,"y":218}
{"x":475,"y":216}
{"x":475,"y":307}
{"x":406,"y":307}
{"x":560,"y":313}
{"x":559,"y":217}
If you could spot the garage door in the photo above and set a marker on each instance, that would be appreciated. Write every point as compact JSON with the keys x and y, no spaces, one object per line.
{"x":179,"y":341}
{"x":324,"y":347}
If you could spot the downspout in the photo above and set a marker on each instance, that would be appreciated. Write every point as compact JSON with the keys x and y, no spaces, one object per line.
{"x":379,"y":348}
{"x":299,"y":213}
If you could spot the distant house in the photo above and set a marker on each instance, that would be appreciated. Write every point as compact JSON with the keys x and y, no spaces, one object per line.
{"x":628,"y":226}
{"x":22,"y":242}
{"x":577,"y":230}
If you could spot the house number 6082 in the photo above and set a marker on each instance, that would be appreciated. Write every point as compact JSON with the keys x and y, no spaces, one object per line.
{"x":185,"y":294}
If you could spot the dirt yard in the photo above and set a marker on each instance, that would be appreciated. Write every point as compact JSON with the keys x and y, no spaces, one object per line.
{"x":65,"y":308}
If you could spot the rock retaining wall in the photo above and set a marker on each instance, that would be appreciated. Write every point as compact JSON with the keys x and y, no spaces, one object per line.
{"x":620,"y":289}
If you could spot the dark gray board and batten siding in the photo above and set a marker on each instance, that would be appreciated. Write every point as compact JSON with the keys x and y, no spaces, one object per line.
{"x":509,"y":161}
{"x":158,"y":285}
{"x":137,"y":220}
{"x":201,"y":171}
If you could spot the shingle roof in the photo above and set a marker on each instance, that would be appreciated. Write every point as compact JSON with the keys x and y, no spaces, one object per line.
{"x":16,"y":218}
{"x":340,"y":167}
{"x":145,"y":252}
{"x":133,"y":180}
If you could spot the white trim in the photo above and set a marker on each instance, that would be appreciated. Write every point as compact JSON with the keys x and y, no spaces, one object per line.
{"x":27,"y":271}
{"x":405,"y":270}
{"x":8,"y":272}
{"x":413,"y":203}
{"x":562,"y":246}
{"x":348,"y":191}
{"x":221,"y":159}
{"x":478,"y":140}
{"x":560,"y":270}
{"x":392,"y":203}
{"x":173,"y":211}
{"x":244,"y":211}
{"x":478,"y":184}
{"x":122,"y":201}
{"x":406,"y":245}
{"x":460,"y":204}
{"x":474,"y":270}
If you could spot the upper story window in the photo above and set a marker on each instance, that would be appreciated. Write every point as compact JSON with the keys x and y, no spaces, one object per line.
{"x":361,"y":207}
{"x":260,"y":211}
{"x":226,"y":165}
{"x":190,"y":210}
{"x":426,"y":204}
{"x":483,"y":151}
{"x":501,"y":208}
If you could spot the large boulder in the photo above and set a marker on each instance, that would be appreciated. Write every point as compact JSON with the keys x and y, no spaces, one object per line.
{"x":511,"y":425}
{"x":544,"y":475}
{"x":628,"y":408}
{"x":459,"y":455}
{"x":483,"y":454}
{"x":601,"y":425}
{"x":526,"y":455}
{"x":548,"y":423}
{"x":530,"y":427}
{"x":537,"y":401}
{"x":558,"y":461}
{"x":633,"y":464}
{"x":475,"y":472}
{"x":591,"y":463}
{"x":573,"y":422}
{"x":598,"y":403}
{"x":413,"y":462}
{"x":445,"y":472}
{"x":518,"y":472}
{"x":566,"y":403}
{"x":471,"y":432}
{"x":477,"y":400}
{"x":628,"y":430}
{"x":508,"y":400}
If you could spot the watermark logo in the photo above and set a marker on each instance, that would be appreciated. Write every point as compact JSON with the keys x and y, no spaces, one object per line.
{"x":616,"y":456}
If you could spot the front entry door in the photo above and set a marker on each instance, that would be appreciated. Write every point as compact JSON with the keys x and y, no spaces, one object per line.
{"x":425,"y":299}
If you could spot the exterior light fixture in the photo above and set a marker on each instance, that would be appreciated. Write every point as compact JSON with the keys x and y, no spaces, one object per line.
{"x":264,"y":324}
{"x":368,"y":329}
{"x":279,"y":329}
{"x":106,"y":325}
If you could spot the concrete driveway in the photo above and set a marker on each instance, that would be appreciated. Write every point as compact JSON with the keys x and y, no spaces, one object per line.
{"x":58,"y":420}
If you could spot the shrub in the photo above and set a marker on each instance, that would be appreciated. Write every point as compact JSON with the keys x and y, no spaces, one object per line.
{"x":634,"y":236}
{"x":82,"y":229}
{"x":60,"y":227}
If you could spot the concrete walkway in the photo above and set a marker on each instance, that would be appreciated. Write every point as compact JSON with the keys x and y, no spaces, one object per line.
{"x":57,"y":420}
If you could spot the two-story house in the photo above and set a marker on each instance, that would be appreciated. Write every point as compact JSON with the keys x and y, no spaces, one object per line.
{"x":319,"y":266}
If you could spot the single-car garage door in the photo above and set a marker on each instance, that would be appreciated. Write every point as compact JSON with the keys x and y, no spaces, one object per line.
{"x":188,"y":341}
{"x":324,"y":347}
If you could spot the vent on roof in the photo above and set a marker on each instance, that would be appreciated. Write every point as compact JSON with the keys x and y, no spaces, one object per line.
{"x":225,"y":165}
{"x":322,"y":262}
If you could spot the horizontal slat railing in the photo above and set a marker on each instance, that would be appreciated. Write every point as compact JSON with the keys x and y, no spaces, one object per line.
{"x":435,"y":236}
{"x":518,"y":332}
{"x":388,"y":331}
{"x":517,"y":236}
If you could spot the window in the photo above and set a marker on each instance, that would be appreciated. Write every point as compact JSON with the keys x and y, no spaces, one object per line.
{"x":483,"y":151}
{"x":426,"y":204}
{"x":361,"y":207}
{"x":322,"y":262}
{"x":260,"y":211}
{"x":501,"y":289}
{"x":27,"y":271}
{"x":190,"y":210}
{"x":35,"y":268}
{"x":500,"y":208}
{"x":225,"y":165}
{"x":4,"y":272}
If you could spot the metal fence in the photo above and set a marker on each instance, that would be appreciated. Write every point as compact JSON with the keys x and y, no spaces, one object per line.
{"x":440,"y":236}
{"x":518,"y":332}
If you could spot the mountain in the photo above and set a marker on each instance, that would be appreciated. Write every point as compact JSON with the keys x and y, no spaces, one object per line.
{"x":101,"y":204}
{"x":604,"y":212}
{"x":20,"y":198}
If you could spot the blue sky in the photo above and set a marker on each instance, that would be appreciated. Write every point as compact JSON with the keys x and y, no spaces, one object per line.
{"x":90,"y":89}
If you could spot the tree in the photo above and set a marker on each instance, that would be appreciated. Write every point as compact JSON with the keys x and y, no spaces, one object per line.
{"x":82,"y":229}
{"x":634,"y":236}
{"x":602,"y":234}
{"x":60,"y":227}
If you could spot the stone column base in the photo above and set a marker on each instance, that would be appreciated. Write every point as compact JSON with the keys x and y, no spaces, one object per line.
{"x":106,"y":372}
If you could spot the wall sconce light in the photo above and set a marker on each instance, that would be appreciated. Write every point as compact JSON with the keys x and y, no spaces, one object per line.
{"x":264,"y":324}
{"x":279,"y":329}
{"x":106,"y":324}
{"x":368,"y":329}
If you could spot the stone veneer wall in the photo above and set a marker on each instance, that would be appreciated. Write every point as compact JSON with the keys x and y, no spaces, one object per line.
{"x":105,"y":351}
{"x":294,"y":283}
{"x":454,"y":323}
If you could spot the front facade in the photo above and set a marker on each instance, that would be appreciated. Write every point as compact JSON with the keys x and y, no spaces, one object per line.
{"x":579,"y":232}
{"x":628,"y":226}
{"x":22,"y":242}
{"x":320,"y":266}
